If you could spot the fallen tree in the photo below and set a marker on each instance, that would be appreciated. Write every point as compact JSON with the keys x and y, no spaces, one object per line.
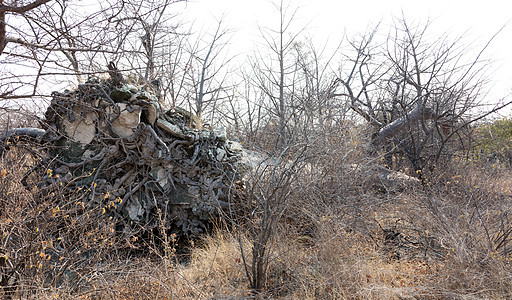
{"x":144,"y":166}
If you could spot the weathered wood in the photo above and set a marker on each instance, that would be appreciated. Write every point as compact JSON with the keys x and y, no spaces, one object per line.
{"x":13,"y":136}
{"x":32,"y":133}
{"x":113,"y":148}
{"x":394,"y":128}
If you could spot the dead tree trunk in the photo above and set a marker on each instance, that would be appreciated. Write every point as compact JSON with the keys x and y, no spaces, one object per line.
{"x":392,"y":129}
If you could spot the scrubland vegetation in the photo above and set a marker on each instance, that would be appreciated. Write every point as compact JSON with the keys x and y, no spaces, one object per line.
{"x":325,"y":219}
{"x":342,"y":234}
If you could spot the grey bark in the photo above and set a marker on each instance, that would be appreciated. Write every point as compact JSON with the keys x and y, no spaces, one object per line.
{"x":17,"y":134}
{"x":420,"y":112}
{"x":22,"y":132}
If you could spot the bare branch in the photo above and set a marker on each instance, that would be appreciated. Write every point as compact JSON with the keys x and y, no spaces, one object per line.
{"x":22,"y":9}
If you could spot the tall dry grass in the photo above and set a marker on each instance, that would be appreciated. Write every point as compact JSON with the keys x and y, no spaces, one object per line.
{"x":343,"y":235}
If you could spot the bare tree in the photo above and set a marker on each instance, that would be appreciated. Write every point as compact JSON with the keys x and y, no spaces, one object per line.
{"x":50,"y":41}
{"x":147,"y":29}
{"x":275,"y":76}
{"x":417,"y":93}
{"x":14,"y":9}
{"x":9,"y":35}
{"x":187,"y":67}
{"x":268,"y":195}
{"x":77,"y":40}
{"x":207,"y":70}
{"x":314,"y":109}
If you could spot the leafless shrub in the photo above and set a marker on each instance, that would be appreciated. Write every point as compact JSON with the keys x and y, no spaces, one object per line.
{"x":46,"y":239}
{"x":265,"y":198}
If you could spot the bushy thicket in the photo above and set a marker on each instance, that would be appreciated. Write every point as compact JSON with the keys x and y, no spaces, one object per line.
{"x":343,"y":233}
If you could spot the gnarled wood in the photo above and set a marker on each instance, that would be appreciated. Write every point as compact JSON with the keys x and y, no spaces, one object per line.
{"x":391,"y":130}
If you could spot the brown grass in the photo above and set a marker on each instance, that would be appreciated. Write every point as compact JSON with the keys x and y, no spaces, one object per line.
{"x":341,"y":238}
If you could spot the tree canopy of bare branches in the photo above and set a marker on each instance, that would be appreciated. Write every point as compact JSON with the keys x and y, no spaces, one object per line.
{"x":418,"y":92}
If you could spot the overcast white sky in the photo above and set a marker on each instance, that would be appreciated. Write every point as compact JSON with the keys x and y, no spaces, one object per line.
{"x":330,"y":19}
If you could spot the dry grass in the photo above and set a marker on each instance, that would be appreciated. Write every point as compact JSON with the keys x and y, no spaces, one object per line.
{"x":339,"y":239}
